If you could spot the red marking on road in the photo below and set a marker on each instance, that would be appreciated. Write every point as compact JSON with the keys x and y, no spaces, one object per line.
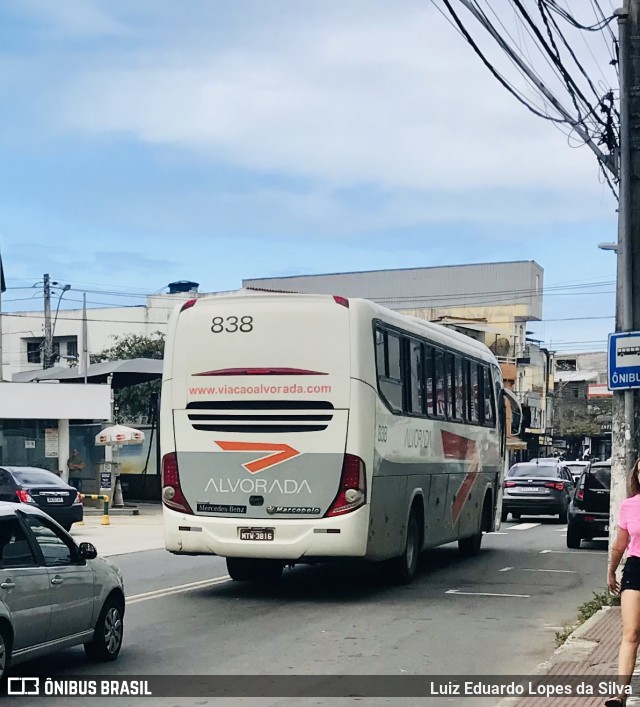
{"x":277,"y":453}
{"x":456,"y":447}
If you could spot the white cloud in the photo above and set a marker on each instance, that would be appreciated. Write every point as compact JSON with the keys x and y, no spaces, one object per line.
{"x":72,"y":17}
{"x":392,"y":98}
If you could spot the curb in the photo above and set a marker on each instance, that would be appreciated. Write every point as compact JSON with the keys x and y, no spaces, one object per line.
{"x":575,"y":648}
{"x":89,"y":511}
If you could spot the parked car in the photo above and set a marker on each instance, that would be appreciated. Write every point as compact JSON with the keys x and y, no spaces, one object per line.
{"x":576,"y":468}
{"x":588,"y":515}
{"x":535,"y":488}
{"x":54,"y":594}
{"x":42,"y":488}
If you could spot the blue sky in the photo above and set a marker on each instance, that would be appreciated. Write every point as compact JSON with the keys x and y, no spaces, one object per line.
{"x":210,"y":140}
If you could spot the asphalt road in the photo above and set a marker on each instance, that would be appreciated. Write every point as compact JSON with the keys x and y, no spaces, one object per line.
{"x":494,"y":614}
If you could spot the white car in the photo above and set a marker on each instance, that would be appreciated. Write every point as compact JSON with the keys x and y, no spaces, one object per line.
{"x":576,"y":468}
{"x":54,"y":594}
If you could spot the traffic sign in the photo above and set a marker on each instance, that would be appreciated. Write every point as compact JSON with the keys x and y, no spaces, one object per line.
{"x":624,"y":360}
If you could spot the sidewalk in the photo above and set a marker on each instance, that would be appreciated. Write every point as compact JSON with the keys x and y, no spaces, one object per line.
{"x":592,"y":650}
{"x":125,"y":533}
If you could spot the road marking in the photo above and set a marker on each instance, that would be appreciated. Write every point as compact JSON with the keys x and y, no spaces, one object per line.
{"x":524,"y":526}
{"x":570,"y":552}
{"x":486,"y":594}
{"x":561,"y":530}
{"x":496,"y":532}
{"x":178,"y":589}
{"x":527,"y":569}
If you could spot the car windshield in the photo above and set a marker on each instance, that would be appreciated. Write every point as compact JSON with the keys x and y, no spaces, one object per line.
{"x":534,"y":471}
{"x":33,"y":477}
{"x":599,"y":477}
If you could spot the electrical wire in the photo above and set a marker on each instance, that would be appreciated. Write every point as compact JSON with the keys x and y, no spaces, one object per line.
{"x":513,"y":91}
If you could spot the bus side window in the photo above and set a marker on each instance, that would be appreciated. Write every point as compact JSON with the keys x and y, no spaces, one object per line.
{"x":440,"y":380}
{"x":459,"y":412}
{"x":489,"y":402}
{"x":429,"y":377}
{"x":449,"y":363}
{"x":467,"y":389}
{"x":381,"y":348}
{"x":474,"y":393}
{"x":416,"y":378}
{"x":390,"y":377}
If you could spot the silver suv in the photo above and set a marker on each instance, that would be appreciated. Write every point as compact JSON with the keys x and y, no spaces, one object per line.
{"x":54,"y":594}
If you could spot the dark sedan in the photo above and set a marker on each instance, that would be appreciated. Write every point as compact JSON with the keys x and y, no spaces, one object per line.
{"x":42,"y":488}
{"x":537,"y":489}
{"x":589,"y":510}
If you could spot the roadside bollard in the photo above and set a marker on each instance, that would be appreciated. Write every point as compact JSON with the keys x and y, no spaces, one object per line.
{"x":105,"y":509}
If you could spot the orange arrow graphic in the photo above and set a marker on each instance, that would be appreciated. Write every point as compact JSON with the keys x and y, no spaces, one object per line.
{"x":277,"y":453}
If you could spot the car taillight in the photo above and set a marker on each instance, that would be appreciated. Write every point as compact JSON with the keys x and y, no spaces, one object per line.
{"x":341,"y":300}
{"x":509,"y":484}
{"x":580,"y":495}
{"x":24,"y":496}
{"x":172,"y":495}
{"x":78,"y":498}
{"x":558,"y":485}
{"x":353,"y":487}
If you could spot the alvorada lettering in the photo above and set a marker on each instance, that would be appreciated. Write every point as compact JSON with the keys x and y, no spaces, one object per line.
{"x":261,"y":486}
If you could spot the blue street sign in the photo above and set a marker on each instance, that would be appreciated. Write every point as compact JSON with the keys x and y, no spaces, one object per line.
{"x":624,"y":360}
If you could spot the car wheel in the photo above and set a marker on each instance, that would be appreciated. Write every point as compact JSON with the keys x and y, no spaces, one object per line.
{"x":5,"y":651}
{"x":402,"y":569}
{"x":67,"y":526}
{"x":573,"y":538}
{"x":516,"y":516}
{"x":107,"y":636}
{"x":503,"y":516}
{"x":563,"y":515}
{"x":241,"y":569}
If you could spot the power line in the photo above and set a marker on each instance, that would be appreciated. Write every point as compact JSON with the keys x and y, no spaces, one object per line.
{"x":514,"y":92}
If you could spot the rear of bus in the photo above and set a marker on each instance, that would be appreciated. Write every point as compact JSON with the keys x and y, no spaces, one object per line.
{"x":257,"y":460}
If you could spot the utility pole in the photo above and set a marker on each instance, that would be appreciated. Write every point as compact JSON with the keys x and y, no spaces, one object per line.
{"x":626,"y":403}
{"x":48,"y":334}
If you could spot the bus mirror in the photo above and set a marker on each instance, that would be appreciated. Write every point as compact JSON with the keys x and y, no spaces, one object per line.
{"x":516,"y":412}
{"x":516,"y":422}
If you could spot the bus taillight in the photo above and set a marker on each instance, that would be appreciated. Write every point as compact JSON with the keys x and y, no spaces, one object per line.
{"x":353,"y":487}
{"x":172,"y":495}
{"x":188,"y":304}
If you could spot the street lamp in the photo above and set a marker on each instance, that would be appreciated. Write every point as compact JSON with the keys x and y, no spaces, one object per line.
{"x":608,"y":246}
{"x":66,"y":288}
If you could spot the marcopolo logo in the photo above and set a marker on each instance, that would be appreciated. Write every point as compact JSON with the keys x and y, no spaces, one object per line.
{"x":275,"y":453}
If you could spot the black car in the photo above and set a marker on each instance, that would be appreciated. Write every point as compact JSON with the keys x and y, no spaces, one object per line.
{"x":42,"y":488}
{"x":588,"y":515}
{"x":535,"y":488}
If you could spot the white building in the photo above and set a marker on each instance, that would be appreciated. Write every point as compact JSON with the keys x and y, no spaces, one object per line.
{"x":23,"y":332}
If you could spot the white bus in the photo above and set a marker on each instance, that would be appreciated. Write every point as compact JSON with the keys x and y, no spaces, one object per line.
{"x":301,"y":428}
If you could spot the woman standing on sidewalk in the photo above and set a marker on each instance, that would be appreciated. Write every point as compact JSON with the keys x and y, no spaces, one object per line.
{"x":627,"y":538}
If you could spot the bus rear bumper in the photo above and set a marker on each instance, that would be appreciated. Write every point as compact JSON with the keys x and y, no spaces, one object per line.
{"x":294,"y":539}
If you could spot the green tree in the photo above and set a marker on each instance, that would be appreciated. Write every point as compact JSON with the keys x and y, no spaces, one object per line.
{"x":132,"y":403}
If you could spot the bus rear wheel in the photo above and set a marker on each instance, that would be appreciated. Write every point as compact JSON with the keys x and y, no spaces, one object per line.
{"x":402,"y":569}
{"x":470,"y":547}
{"x":242,"y":569}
